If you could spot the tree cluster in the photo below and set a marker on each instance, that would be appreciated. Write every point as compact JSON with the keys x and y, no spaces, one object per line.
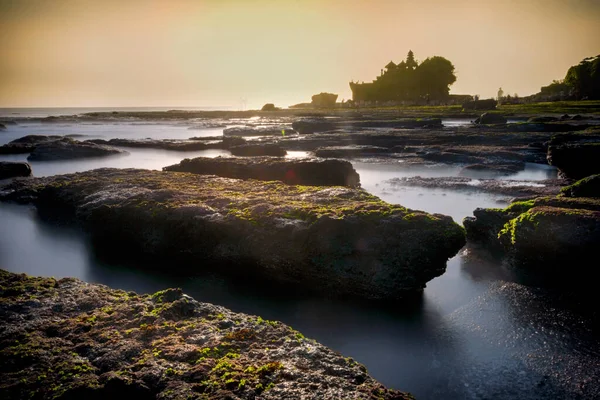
{"x":409,"y":80}
{"x":581,"y":82}
{"x":584,"y":78}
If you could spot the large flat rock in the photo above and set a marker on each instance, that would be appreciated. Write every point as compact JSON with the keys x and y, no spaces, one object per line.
{"x":335,"y":240}
{"x":66,"y":339}
{"x":192,"y":144}
{"x":68,"y":149}
{"x":309,"y":171}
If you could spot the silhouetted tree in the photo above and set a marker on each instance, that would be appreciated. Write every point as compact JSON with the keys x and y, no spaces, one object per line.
{"x":408,"y":80}
{"x":435,"y":75}
{"x":584,"y":78}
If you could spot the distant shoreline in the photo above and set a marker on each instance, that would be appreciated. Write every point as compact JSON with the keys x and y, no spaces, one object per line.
{"x":182,"y":113}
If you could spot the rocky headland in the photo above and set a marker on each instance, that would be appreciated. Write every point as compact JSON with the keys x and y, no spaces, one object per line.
{"x":67,"y":339}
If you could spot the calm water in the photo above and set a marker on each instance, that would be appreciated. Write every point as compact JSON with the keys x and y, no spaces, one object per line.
{"x":473,"y":336}
{"x":41,"y":112}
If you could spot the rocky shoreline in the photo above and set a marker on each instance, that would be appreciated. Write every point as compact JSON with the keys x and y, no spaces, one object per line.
{"x":550,"y":239}
{"x":334,"y":240}
{"x":67,"y":339}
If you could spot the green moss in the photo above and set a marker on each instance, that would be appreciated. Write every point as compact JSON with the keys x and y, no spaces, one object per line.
{"x":509,"y":229}
{"x":586,"y":187}
{"x":520,"y":206}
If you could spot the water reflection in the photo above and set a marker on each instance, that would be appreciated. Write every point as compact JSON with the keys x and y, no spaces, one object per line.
{"x":104,"y":130}
{"x":136,"y":158}
{"x":468,"y":337}
{"x":455,"y":203}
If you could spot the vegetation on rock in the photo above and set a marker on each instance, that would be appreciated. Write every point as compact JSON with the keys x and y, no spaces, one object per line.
{"x":334,"y":240}
{"x":66,"y":339}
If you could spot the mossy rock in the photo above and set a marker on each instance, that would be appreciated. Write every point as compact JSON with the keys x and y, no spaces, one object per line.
{"x":333,"y":240}
{"x":67,"y":339}
{"x":586,"y":187}
{"x":498,"y":229}
{"x":553,"y":240}
{"x":309,"y":171}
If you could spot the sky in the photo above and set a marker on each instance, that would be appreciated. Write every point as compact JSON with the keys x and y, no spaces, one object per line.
{"x":241,"y":54}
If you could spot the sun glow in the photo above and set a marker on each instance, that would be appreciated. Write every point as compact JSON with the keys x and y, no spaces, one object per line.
{"x":243,"y":54}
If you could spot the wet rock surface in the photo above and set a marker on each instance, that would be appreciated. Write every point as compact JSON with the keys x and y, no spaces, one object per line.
{"x":490,"y":118}
{"x":258,"y":149}
{"x":26,"y":144}
{"x":551,"y":239}
{"x":506,"y":187}
{"x":165,"y":144}
{"x":587,"y":187}
{"x":575,"y":155}
{"x":66,"y":149}
{"x":258,"y":131}
{"x":316,"y":125}
{"x":332,"y":240}
{"x":459,"y":146}
{"x":350,"y":151}
{"x":317,"y":172}
{"x":66,"y":339}
{"x":14,"y":169}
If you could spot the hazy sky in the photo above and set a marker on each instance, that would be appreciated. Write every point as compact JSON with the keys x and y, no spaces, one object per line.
{"x":216,"y":53}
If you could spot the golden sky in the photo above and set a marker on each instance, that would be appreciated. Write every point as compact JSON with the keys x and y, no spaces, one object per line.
{"x":218,"y":52}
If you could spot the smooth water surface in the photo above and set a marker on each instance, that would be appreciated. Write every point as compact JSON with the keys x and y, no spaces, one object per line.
{"x":462,"y":341}
{"x":473,"y":335}
{"x":458,"y":204}
{"x":107,"y":131}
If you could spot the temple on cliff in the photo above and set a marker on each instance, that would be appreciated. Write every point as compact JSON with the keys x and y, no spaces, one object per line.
{"x":408,"y":82}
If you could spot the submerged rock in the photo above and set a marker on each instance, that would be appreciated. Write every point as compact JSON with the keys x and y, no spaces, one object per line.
{"x":26,"y":144}
{"x":546,"y":119}
{"x":314,"y":125}
{"x":35,"y":139}
{"x":2,"y":127}
{"x":350,"y":151}
{"x":14,"y":169}
{"x":490,"y":118}
{"x":165,"y":144}
{"x":66,"y":339}
{"x":258,"y":149}
{"x":254,"y":131}
{"x":309,"y":171}
{"x":499,"y":169}
{"x":308,"y":126}
{"x":332,"y":240}
{"x":67,"y":149}
{"x":507,"y":187}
